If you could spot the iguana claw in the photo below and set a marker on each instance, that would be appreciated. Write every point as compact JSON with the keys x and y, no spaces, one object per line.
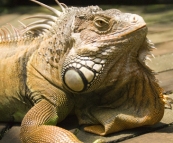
{"x":168,"y":101}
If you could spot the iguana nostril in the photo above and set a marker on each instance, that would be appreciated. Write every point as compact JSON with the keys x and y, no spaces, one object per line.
{"x":134,"y":18}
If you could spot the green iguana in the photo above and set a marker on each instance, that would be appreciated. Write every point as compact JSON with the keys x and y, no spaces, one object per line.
{"x":84,"y":59}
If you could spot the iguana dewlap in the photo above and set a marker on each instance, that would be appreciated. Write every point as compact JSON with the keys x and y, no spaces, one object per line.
{"x":87,"y":59}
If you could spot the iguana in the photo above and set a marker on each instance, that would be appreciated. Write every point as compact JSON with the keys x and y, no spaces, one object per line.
{"x":84,"y":59}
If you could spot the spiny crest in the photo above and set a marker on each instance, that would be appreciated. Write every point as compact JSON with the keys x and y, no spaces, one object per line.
{"x":7,"y":35}
{"x":37,"y":27}
{"x":145,"y":52}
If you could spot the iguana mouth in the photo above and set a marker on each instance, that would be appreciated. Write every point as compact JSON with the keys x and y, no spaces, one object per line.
{"x":143,"y":28}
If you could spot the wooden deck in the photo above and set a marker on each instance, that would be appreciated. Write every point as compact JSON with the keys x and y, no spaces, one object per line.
{"x":161,"y":33}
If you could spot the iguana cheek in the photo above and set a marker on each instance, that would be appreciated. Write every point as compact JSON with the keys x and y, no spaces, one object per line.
{"x":73,"y":80}
{"x":82,"y":73}
{"x":78,"y":80}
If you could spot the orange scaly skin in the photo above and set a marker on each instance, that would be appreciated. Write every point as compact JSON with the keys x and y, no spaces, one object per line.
{"x":86,"y":59}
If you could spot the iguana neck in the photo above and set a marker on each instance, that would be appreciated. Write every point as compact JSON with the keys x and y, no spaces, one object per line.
{"x":134,"y":85}
{"x":137,"y":92}
{"x":129,"y":71}
{"x":130,"y":78}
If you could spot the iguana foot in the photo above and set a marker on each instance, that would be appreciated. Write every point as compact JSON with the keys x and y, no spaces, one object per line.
{"x":168,"y":101}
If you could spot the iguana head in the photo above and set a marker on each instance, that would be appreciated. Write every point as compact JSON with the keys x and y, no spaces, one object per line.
{"x":86,"y":44}
{"x":101,"y":39}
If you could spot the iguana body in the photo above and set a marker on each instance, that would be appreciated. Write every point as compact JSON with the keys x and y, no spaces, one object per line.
{"x":84,"y":59}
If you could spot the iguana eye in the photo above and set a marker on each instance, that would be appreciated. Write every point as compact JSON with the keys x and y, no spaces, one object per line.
{"x":101,"y":22}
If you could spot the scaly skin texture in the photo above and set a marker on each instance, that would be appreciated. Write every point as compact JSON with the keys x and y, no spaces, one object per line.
{"x":86,"y":59}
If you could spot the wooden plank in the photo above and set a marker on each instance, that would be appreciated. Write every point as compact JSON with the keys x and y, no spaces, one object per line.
{"x":8,"y":18}
{"x":164,"y":135}
{"x":162,"y":36}
{"x":163,"y":48}
{"x":12,"y":136}
{"x":161,"y":63}
{"x":166,"y":80}
{"x":2,"y":126}
{"x":159,"y":32}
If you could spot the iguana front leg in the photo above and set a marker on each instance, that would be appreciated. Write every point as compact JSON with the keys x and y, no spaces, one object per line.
{"x":37,"y":125}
